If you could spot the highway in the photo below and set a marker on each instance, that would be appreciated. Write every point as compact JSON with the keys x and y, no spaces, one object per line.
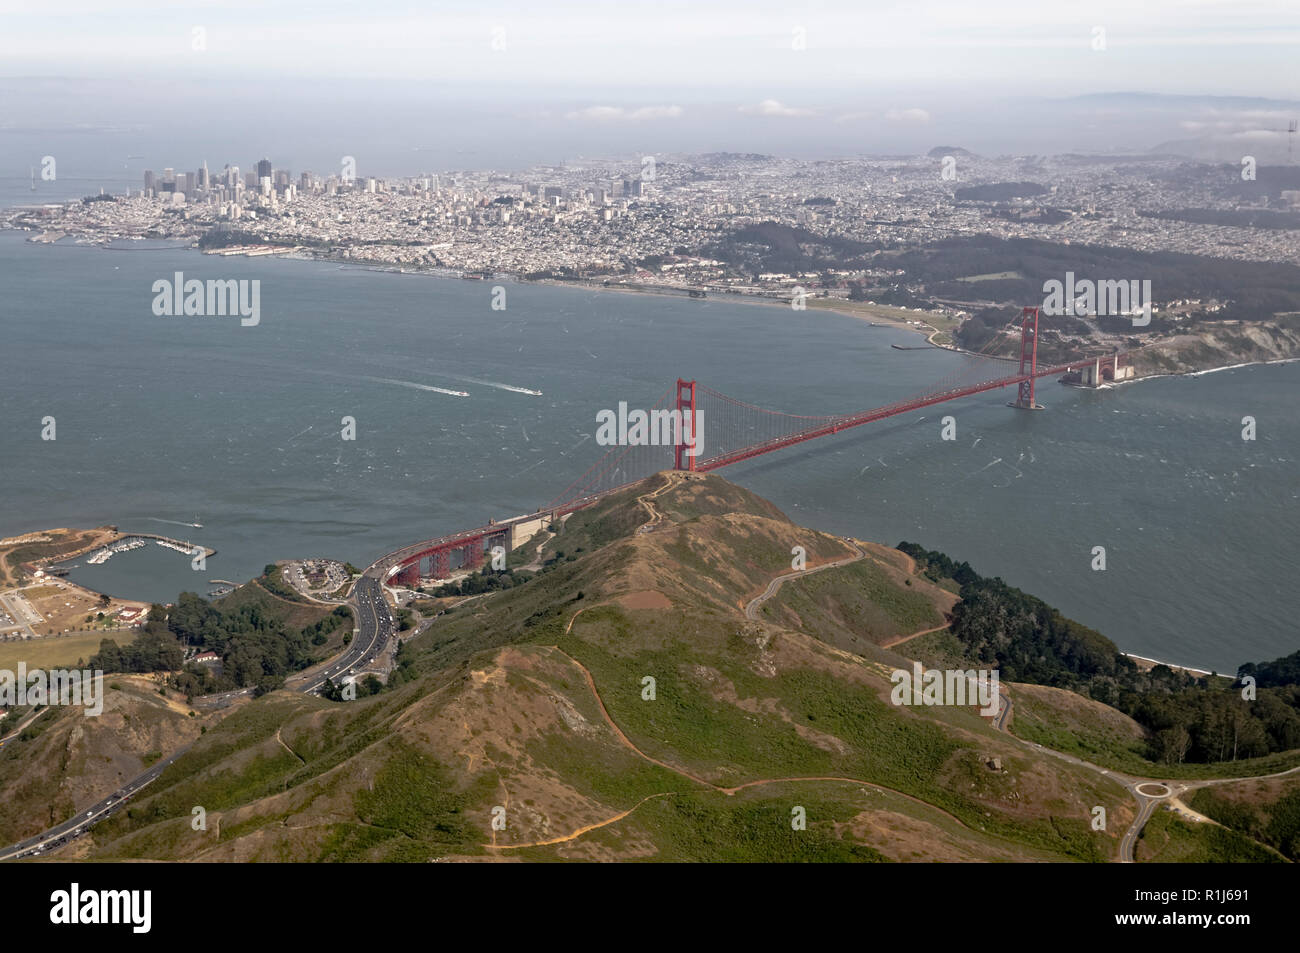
{"x":375,"y":627}
{"x":75,"y":827}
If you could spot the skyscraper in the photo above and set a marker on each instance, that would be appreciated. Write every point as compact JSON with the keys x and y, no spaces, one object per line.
{"x":264,"y":169}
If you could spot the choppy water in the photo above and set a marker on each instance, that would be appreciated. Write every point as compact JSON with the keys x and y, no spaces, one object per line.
{"x":202,"y":420}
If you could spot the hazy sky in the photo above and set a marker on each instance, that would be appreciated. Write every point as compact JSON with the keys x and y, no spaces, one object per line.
{"x":437,"y":85}
{"x":1244,"y":47}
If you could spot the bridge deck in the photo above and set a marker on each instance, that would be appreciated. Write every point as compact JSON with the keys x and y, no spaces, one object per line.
{"x":403,"y":558}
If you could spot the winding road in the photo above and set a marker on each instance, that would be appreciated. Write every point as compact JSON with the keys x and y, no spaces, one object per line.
{"x":375,"y":627}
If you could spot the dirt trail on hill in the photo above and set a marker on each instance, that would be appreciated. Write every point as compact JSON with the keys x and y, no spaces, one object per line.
{"x":751,"y":610}
{"x":623,"y":738}
{"x":907,"y":638}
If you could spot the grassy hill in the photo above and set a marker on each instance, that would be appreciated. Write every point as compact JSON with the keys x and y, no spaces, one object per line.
{"x":65,"y":760}
{"x":1266,"y":810}
{"x":1169,"y":839}
{"x":761,"y":740}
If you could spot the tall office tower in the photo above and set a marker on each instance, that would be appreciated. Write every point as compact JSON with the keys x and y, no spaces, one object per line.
{"x":148,"y":180}
{"x":434,"y":180}
{"x":168,"y":180}
{"x":250,"y":181}
{"x":201,"y":178}
{"x":184,"y":183}
{"x":632,"y":188}
{"x":232,"y":176}
{"x":281,"y":179}
{"x":264,"y":169}
{"x":304,"y":181}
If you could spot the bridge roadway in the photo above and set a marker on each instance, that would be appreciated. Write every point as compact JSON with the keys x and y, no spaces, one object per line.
{"x":832,"y":426}
{"x":837,"y":424}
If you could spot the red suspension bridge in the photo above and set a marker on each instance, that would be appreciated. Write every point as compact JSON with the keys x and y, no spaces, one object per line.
{"x":693,"y":427}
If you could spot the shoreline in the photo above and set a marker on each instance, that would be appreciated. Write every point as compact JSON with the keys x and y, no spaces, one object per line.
{"x":1111,"y":385}
{"x":881,"y":320}
{"x":1177,"y":668}
{"x":452,"y":274}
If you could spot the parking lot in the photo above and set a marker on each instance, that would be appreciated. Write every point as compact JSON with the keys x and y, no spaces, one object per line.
{"x":319,"y":578}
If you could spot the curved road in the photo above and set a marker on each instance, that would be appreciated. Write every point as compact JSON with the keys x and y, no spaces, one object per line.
{"x":375,"y":629}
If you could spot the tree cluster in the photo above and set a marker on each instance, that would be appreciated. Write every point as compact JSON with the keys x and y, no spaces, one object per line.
{"x":1187,"y":718}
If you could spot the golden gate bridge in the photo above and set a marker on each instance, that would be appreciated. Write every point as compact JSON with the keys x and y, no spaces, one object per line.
{"x":712,"y":431}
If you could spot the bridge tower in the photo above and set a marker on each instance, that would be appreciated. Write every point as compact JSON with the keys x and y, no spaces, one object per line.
{"x":686,"y":414}
{"x":1028,"y":360}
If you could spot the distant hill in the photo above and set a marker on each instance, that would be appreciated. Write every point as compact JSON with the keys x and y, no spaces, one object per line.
{"x":938,"y":152}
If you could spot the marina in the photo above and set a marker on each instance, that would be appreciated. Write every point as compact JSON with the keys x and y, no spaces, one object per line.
{"x":107,"y":553}
{"x":186,"y":548}
{"x":125,"y":543}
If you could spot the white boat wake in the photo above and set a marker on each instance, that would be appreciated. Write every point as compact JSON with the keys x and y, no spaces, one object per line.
{"x":413,"y":384}
{"x":497,"y":384}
